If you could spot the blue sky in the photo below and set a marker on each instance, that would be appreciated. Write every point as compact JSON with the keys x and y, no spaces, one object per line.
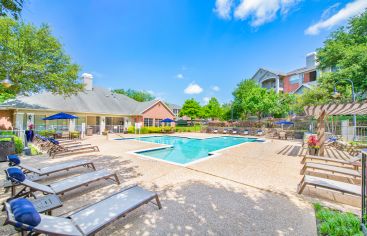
{"x":178,"y":49}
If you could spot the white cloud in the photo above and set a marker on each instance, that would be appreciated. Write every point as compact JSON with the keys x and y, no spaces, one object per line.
{"x":180,"y":76}
{"x":262,"y":11}
{"x":206,"y":100}
{"x":215,"y":88}
{"x":350,"y":10}
{"x":223,"y":8}
{"x":193,"y":88}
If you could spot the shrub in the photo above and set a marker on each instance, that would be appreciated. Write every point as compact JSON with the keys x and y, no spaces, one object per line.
{"x":34,"y":150}
{"x":337,"y":223}
{"x":47,"y":133}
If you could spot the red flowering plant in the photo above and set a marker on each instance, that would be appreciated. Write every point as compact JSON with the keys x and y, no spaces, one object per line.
{"x":313,"y":142}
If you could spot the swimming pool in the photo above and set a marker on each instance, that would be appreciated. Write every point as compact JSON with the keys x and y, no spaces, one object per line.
{"x":187,"y":150}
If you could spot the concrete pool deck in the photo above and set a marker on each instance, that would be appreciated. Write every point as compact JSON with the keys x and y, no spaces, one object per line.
{"x":247,"y":190}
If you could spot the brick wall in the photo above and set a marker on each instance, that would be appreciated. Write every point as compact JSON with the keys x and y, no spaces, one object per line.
{"x":288,"y":87}
{"x":306,"y":77}
{"x":158,"y":111}
{"x":6,"y":120}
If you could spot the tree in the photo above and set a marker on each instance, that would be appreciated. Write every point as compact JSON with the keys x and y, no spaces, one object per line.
{"x":11,"y":8}
{"x":250,"y":98}
{"x":191,"y":108}
{"x":226,"y":113}
{"x":35,"y":60}
{"x":345,"y":52}
{"x":140,"y":96}
{"x":212,"y":109}
{"x":284,"y":103}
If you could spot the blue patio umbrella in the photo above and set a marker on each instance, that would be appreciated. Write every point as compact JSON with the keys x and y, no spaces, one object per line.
{"x":61,"y":116}
{"x":167,"y":120}
{"x":284,"y":122}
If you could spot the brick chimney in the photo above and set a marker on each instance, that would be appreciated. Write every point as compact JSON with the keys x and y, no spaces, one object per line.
{"x":88,"y":81}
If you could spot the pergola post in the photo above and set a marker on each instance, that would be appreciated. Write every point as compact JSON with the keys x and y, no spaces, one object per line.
{"x":321,"y":132}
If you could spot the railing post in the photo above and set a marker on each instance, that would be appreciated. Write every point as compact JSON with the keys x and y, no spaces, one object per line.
{"x":363,"y":190}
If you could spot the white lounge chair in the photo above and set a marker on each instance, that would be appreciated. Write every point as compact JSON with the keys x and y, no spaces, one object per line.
{"x":353,"y":162}
{"x":65,"y":166}
{"x":91,"y":219}
{"x":62,"y":186}
{"x":328,"y":184}
{"x":331,"y":169}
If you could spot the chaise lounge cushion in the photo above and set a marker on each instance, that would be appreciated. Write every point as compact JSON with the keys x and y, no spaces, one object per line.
{"x":24,"y":212}
{"x":14,"y":159}
{"x":16,"y":173}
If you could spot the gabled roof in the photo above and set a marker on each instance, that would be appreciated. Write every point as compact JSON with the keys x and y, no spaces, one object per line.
{"x":301,"y":70}
{"x":264,"y":70}
{"x":98,"y":100}
{"x":309,"y":85}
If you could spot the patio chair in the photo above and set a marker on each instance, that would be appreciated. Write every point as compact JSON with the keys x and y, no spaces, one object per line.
{"x":17,"y":176}
{"x":353,"y":162}
{"x":246,"y":132}
{"x":331,"y":169}
{"x":225,"y":131}
{"x":215,"y":131}
{"x":234,"y":132}
{"x":85,"y":221}
{"x":260,"y":132}
{"x":14,"y":160}
{"x":56,"y":145}
{"x":282,"y":135}
{"x":328,"y":184}
{"x":59,"y":149}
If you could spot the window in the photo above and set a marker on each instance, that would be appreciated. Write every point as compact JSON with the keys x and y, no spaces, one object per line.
{"x":157,"y":122}
{"x":313,"y":76}
{"x":148,"y":122}
{"x":296,"y":79}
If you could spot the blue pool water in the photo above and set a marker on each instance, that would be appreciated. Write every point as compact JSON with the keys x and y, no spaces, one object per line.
{"x":186,"y":150}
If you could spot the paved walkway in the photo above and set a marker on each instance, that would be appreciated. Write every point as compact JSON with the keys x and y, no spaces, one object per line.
{"x":248,"y":190}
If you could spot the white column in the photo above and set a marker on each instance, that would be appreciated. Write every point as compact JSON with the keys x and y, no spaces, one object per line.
{"x":102,"y":124}
{"x":72,"y":125}
{"x":19,"y":118}
{"x":277,"y":85}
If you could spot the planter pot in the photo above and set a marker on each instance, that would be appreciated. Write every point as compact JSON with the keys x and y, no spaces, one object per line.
{"x":313,"y":151}
{"x":6,"y":148}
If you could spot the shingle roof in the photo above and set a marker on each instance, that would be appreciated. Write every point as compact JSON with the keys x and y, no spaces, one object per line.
{"x":301,"y":70}
{"x":98,"y":100}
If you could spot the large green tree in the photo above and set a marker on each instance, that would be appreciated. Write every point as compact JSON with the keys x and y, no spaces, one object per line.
{"x":35,"y":60}
{"x":343,"y":56}
{"x":138,"y":95}
{"x":191,"y":108}
{"x":212,"y":109}
{"x":11,"y":8}
{"x":250,"y":98}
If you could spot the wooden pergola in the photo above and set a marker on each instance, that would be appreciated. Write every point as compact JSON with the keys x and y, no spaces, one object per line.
{"x":320,"y":112}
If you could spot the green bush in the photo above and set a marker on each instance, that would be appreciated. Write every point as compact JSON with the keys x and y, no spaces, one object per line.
{"x":150,"y":130}
{"x":336,"y":223}
{"x":34,"y":150}
{"x":47,"y":133}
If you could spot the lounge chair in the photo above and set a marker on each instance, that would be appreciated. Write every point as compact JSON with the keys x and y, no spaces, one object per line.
{"x":353,"y":162}
{"x":246,"y":132}
{"x":234,"y":131}
{"x":331,"y":169}
{"x":328,"y":184}
{"x":225,"y":131}
{"x":56,"y":146}
{"x":259,"y":132}
{"x":60,"y":187}
{"x":59,"y":149}
{"x":14,"y":160}
{"x":90,"y":219}
{"x":215,"y":131}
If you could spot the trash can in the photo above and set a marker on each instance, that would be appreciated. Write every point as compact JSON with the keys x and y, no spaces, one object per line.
{"x":89,"y":131}
{"x":7,"y":147}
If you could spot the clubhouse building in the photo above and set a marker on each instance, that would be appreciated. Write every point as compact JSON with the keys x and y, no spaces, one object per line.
{"x":97,"y":108}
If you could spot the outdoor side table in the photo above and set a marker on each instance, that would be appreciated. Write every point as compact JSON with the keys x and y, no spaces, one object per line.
{"x":46,"y":204}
